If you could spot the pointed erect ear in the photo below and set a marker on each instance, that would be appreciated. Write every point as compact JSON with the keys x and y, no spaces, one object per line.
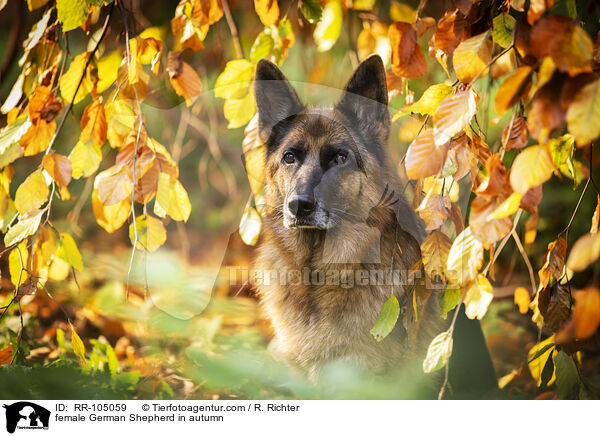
{"x":275,"y":98}
{"x":365,"y":98}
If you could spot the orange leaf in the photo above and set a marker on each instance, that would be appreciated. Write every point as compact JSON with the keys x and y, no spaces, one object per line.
{"x":537,"y":9}
{"x":513,"y":89}
{"x":554,"y":261}
{"x":423,"y":157}
{"x":93,"y":123}
{"x":522,"y":299}
{"x":184,"y":79}
{"x":59,"y":168}
{"x":408,"y":59}
{"x":519,"y":134}
{"x":453,"y":115}
{"x":449,"y":32}
{"x":6,"y":355}
{"x":586,"y":312}
{"x":267,"y":10}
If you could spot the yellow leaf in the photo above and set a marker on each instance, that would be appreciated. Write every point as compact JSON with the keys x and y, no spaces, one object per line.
{"x":537,"y":365}
{"x":438,"y":352}
{"x":532,"y":167}
{"x":434,"y":251}
{"x":585,"y":252}
{"x":478,"y":297}
{"x":108,"y":67}
{"x":239,"y":111}
{"x":110,"y":218}
{"x":37,"y":138}
{"x":250,"y":226}
{"x":423,"y":157}
{"x":120,"y":118}
{"x":70,"y":80}
{"x":512,"y":89}
{"x":58,"y":269}
{"x":15,"y":260}
{"x":583,"y":115}
{"x":430,"y":100}
{"x":93,"y":123}
{"x":69,"y":252}
{"x":522,"y":299}
{"x":255,"y":154}
{"x":327,"y":31}
{"x":233,"y":81}
{"x":78,"y":347}
{"x":180,"y":207}
{"x":26,"y":226}
{"x":465,"y":258}
{"x":267,"y":10}
{"x":85,"y":159}
{"x":453,"y":115}
{"x":151,"y":232}
{"x":402,"y":12}
{"x":507,"y":207}
{"x":35,"y":4}
{"x":373,"y":38}
{"x":114,"y":185}
{"x":32,"y":193}
{"x":472,"y":56}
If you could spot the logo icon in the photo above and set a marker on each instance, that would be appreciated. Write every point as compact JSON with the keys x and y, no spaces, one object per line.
{"x":26,"y":415}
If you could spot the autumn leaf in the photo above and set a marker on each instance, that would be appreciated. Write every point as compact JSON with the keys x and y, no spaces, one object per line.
{"x":423,"y":157}
{"x":110,"y":218}
{"x":184,"y":79}
{"x":586,"y":312}
{"x":513,"y":89}
{"x":151,"y":233}
{"x":250,"y":226}
{"x":171,"y":199}
{"x":93,"y":123}
{"x":373,"y":38}
{"x":114,"y":185}
{"x":583,"y":115}
{"x":72,"y":13}
{"x":69,"y":252}
{"x":85,"y":159}
{"x":449,"y":32}
{"x":6,"y":355}
{"x":503,"y":25}
{"x":465,"y":258}
{"x":453,"y":115}
{"x":478,"y":297}
{"x":434,"y":210}
{"x":522,"y":299}
{"x":430,"y":100}
{"x":434,"y":250}
{"x":408,"y":59}
{"x":327,"y":31}
{"x":472,"y":56}
{"x":584,"y":252}
{"x":515,"y":135}
{"x":553,"y":262}
{"x":70,"y":79}
{"x":26,"y":226}
{"x":538,"y":357}
{"x":255,"y":155}
{"x":108,"y":66}
{"x":32,"y":193}
{"x":59,"y":168}
{"x":532,"y":167}
{"x":77,"y":344}
{"x":267,"y":10}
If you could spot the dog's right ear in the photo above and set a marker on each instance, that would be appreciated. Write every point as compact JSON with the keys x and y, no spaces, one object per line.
{"x":275,"y":98}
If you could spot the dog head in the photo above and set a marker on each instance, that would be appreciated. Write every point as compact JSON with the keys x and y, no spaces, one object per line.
{"x":323,"y":166}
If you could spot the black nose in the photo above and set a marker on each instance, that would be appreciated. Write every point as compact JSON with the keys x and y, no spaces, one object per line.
{"x":301,"y":205}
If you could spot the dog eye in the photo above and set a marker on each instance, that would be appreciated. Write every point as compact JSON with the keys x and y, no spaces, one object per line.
{"x":289,"y":157}
{"x":341,"y":158}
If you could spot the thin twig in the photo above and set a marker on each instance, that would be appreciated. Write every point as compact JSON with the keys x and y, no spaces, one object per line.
{"x":526,"y":259}
{"x":239,"y":53}
{"x":451,"y":332}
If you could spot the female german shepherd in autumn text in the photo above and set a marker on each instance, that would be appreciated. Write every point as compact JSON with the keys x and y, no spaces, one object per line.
{"x":339,"y":238}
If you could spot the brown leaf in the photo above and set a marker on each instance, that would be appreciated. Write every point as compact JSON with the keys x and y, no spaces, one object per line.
{"x":93,"y":123}
{"x":434,"y":250}
{"x":544,"y":33}
{"x":449,"y":32}
{"x":408,"y":59}
{"x":519,"y":134}
{"x":423,"y":157}
{"x":572,"y":50}
{"x":513,"y":89}
{"x":434,"y":210}
{"x":43,"y":105}
{"x":395,"y":84}
{"x":531,"y":199}
{"x":456,"y":217}
{"x":545,"y":113}
{"x":554,"y":261}
{"x":496,"y":183}
{"x":59,"y":168}
{"x":554,"y":303}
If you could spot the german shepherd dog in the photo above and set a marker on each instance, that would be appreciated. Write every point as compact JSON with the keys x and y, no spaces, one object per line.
{"x":336,"y":223}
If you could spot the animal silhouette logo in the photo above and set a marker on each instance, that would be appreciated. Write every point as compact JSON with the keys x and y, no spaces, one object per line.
{"x":26,"y":415}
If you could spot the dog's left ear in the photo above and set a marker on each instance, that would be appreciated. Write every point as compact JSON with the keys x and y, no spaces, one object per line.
{"x":365,"y":98}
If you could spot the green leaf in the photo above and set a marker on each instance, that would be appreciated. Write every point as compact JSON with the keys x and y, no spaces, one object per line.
{"x":566,"y":374}
{"x":60,"y":338}
{"x":430,"y":100}
{"x":127,"y":379}
{"x":78,"y":347}
{"x":448,"y":299}
{"x":233,"y":81}
{"x":69,"y":252}
{"x":72,"y":13}
{"x":312,"y":10}
{"x":111,"y":357}
{"x":387,"y":319}
{"x":502,"y":29}
{"x":26,"y":226}
{"x":438,"y":353}
{"x":262,"y":47}
{"x":328,"y":29}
